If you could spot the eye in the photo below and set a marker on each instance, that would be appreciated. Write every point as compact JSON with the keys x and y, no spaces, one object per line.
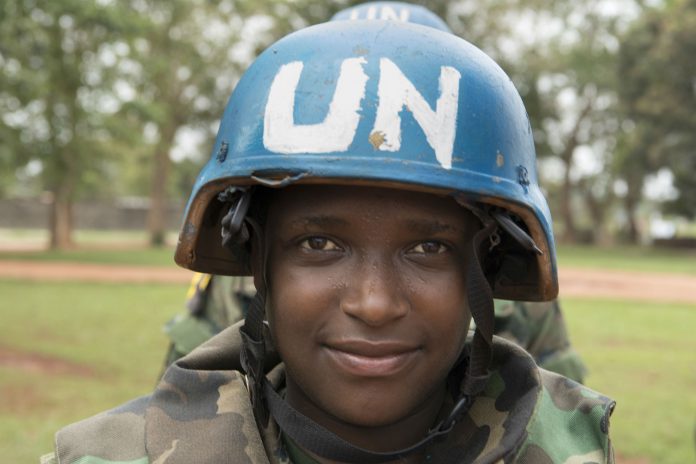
{"x":430,"y":247}
{"x":319,"y":244}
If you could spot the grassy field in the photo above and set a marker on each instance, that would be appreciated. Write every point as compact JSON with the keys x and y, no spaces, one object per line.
{"x":67,"y":349}
{"x":72,"y":350}
{"x":138,"y":256}
{"x":632,"y":258}
{"x":108,"y":247}
{"x":644,"y":356}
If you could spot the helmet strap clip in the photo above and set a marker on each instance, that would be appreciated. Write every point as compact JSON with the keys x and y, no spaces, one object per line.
{"x":234,"y":230}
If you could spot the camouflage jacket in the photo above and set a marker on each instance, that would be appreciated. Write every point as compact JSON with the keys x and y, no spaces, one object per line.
{"x":200,"y":413}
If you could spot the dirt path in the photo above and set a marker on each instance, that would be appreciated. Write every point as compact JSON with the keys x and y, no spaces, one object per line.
{"x":660,"y":287}
{"x":574,"y":282}
{"x":61,"y":271}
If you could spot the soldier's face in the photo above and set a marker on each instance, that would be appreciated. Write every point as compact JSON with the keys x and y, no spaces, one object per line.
{"x":366,"y":293}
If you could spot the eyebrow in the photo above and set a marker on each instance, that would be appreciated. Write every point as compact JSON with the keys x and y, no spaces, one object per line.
{"x":430,"y":227}
{"x":319,"y":221}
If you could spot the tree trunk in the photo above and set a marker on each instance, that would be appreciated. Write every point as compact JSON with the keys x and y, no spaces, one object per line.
{"x":630,"y":204}
{"x":597,"y":208}
{"x":61,"y":221}
{"x":157,"y":215}
{"x":570,"y":233}
{"x":569,"y":229}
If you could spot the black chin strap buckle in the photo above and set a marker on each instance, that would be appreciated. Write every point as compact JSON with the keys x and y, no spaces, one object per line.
{"x":234,"y":231}
{"x":460,"y":409}
{"x":252,"y":360}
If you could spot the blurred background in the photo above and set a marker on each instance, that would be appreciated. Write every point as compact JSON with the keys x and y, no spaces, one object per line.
{"x":108,"y":109}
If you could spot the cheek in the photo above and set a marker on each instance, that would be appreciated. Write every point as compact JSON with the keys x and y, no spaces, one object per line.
{"x":298,"y":300}
{"x":443,"y":305}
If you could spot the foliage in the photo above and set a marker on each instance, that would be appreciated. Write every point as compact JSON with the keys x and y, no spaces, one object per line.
{"x":181,"y":73}
{"x":55,"y":101}
{"x":656,"y":64}
{"x":97,"y":96}
{"x":562,"y":62}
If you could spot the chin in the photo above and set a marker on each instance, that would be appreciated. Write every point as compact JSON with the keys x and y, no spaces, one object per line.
{"x":378,"y":413}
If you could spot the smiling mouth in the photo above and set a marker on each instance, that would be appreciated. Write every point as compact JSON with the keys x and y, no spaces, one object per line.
{"x":371,"y":360}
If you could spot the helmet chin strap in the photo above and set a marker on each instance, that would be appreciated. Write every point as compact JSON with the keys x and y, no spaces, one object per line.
{"x":313,"y":437}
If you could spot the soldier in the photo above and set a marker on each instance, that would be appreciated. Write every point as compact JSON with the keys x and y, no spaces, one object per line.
{"x":214,"y":302}
{"x":377,"y":179}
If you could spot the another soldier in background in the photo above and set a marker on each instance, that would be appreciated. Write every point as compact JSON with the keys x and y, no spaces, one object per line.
{"x":213,"y":303}
{"x":540,"y":329}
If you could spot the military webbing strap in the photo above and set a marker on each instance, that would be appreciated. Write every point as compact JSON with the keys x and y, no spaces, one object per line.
{"x":480,"y":298}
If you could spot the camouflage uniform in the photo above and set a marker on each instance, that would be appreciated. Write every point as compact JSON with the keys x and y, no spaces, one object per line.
{"x":200,"y":413}
{"x":214,"y":302}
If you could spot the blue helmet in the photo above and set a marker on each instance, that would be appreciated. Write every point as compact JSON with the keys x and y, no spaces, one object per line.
{"x":394,"y":11}
{"x":383,"y":103}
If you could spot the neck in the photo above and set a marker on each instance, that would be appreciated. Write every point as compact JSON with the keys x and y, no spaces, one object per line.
{"x":390,"y":437}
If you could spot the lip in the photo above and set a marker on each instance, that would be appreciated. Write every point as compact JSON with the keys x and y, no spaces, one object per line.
{"x":368,"y":359}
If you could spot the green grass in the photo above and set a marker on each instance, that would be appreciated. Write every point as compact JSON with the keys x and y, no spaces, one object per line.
{"x":645,"y":259}
{"x":91,"y":246}
{"x":39,"y":237}
{"x":644,"y":356}
{"x":114,"y":331}
{"x":139,"y":256}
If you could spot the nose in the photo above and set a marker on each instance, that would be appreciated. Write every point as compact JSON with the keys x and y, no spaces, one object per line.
{"x":375,"y":294}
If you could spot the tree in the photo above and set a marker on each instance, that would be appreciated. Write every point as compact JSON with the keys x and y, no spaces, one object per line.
{"x":53,"y":101}
{"x":180,"y":70}
{"x":656,"y":65}
{"x":90,"y":85}
{"x":140,"y":73}
{"x":561,"y":57}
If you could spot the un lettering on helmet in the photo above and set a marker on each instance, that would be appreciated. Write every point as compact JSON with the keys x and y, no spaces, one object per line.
{"x":392,"y":11}
{"x":384,"y":12}
{"x":338,"y":129}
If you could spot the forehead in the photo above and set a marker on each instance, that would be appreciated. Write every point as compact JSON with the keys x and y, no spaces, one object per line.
{"x":340,"y":203}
